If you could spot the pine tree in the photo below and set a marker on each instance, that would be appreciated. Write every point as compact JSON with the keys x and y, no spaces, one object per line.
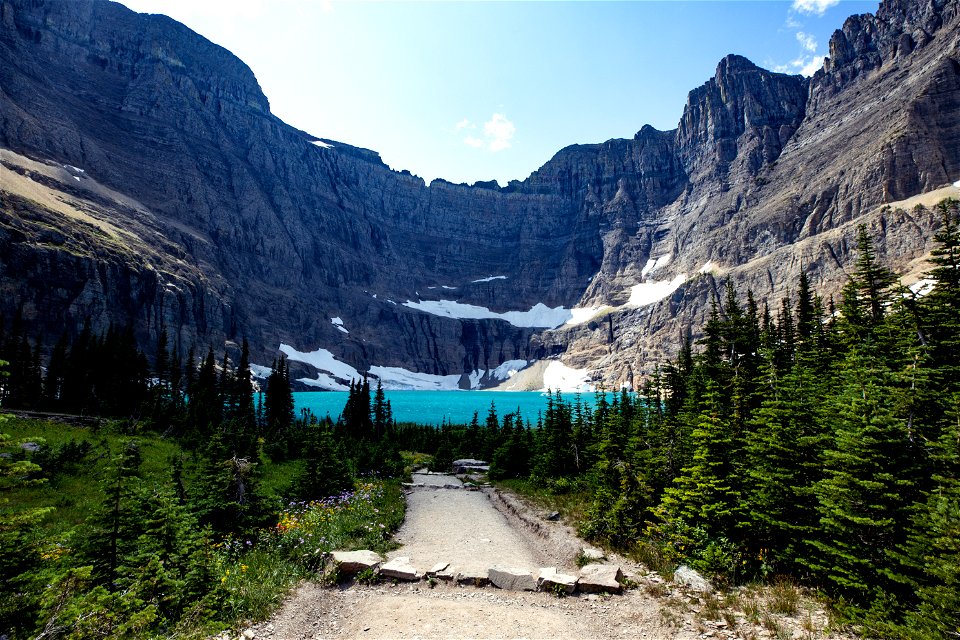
{"x":324,"y":470}
{"x":933,"y":549}
{"x":116,"y":525}
{"x":866,"y":490}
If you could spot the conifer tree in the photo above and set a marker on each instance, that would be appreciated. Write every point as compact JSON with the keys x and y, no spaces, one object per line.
{"x":117,"y":523}
{"x":324,"y":470}
{"x":866,"y":490}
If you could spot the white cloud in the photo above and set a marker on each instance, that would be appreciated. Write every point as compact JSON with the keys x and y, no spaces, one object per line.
{"x":807,"y":41}
{"x":813,"y":7}
{"x":813,"y":65}
{"x":498,"y":133}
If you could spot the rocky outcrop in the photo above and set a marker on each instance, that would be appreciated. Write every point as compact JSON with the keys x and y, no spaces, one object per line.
{"x":147,"y":182}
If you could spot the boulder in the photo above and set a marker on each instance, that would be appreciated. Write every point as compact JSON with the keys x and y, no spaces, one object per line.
{"x":511,"y":579}
{"x":401,"y":569}
{"x":475,"y":577}
{"x":351,"y":562}
{"x":599,"y":578}
{"x":549,"y":579}
{"x":693,"y":581}
{"x":591,"y":554}
{"x":437,"y":568}
{"x":553,"y":516}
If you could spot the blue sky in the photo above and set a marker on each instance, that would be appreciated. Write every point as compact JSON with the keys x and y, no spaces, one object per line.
{"x":471,"y":91}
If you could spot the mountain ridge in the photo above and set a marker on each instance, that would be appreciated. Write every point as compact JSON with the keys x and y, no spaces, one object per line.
{"x":272,"y":234}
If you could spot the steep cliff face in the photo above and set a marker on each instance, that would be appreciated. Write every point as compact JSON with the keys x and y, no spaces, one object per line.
{"x":145,"y":180}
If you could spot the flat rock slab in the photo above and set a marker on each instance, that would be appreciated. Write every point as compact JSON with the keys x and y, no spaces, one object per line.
{"x":600,"y":578}
{"x":401,"y":569}
{"x":351,"y":562}
{"x":448,"y":575}
{"x":511,"y":579}
{"x":437,"y":568}
{"x":473,"y":577}
{"x":549,"y":579}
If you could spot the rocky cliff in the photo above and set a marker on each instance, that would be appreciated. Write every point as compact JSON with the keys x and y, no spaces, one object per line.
{"x":143,"y":179}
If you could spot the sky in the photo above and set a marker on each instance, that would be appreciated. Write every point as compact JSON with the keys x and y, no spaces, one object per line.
{"x":469,"y":91}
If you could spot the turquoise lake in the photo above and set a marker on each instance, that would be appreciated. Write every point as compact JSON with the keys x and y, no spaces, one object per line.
{"x":431,"y":407}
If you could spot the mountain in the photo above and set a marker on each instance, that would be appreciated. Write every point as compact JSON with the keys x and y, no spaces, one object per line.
{"x":144,"y":180}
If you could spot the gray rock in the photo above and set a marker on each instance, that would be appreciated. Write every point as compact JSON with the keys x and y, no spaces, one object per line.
{"x":437,"y":568}
{"x":351,"y":562}
{"x":691,"y":579}
{"x":548,"y":579}
{"x":553,"y":516}
{"x":592,"y":554}
{"x":599,"y":578}
{"x":511,"y":579}
{"x":474,"y":577}
{"x":401,"y":569}
{"x":447,"y":575}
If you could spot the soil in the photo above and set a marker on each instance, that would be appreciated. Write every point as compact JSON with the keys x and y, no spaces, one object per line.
{"x":479,"y":529}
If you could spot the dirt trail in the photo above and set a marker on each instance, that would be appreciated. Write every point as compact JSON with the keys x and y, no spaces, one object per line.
{"x":462,"y":528}
{"x":466,"y":529}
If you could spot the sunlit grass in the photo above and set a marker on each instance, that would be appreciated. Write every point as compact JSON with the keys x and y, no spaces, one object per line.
{"x":572,"y":502}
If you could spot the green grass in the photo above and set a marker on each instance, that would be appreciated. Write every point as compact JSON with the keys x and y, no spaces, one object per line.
{"x":572,"y":502}
{"x":76,"y":492}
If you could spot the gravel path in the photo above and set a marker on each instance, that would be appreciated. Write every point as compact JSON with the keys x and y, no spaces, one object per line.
{"x":462,"y":528}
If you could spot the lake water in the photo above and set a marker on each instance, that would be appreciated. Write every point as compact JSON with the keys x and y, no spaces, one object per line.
{"x":431,"y":407}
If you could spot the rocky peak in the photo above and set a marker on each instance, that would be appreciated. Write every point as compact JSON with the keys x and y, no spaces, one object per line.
{"x":742,"y":108}
{"x":138,"y":48}
{"x":898,"y":27}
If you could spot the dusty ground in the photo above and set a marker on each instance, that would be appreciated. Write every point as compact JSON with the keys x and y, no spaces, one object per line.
{"x":479,"y":529}
{"x":462,"y":528}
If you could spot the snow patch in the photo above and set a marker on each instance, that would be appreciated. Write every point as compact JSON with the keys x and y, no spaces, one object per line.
{"x":324,"y":361}
{"x":489,"y":279}
{"x":653,"y":265}
{"x":443,"y":286}
{"x":649,"y":292}
{"x":398,"y":378}
{"x":957,"y":184}
{"x":508,"y":369}
{"x":260,"y":371}
{"x":540,"y":315}
{"x":325,"y":382}
{"x":579,"y":315}
{"x":475,"y":377}
{"x":922,"y":287}
{"x":560,"y":377}
{"x":322,"y":144}
{"x":338,"y":323}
